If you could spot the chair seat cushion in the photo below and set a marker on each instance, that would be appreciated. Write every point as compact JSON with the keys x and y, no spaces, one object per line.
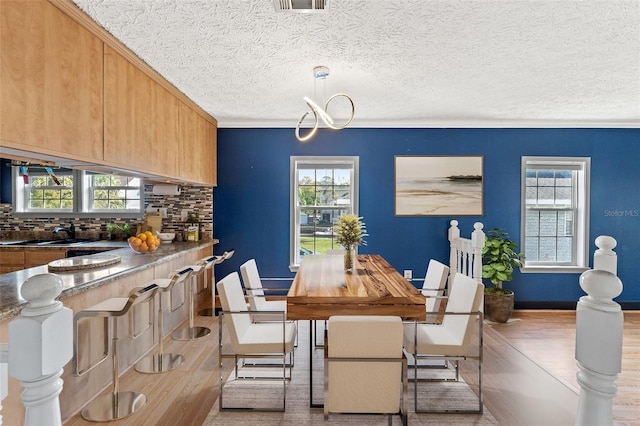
{"x":266,"y":338}
{"x":115,"y":304}
{"x":433,"y":339}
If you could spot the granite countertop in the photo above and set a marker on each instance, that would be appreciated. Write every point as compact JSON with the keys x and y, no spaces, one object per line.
{"x":9,"y":245}
{"x":74,"y":282}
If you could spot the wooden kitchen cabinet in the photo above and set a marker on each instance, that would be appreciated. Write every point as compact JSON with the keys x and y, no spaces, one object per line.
{"x":198,"y":153}
{"x":11,"y":261}
{"x":50,"y":82}
{"x":42,"y":257}
{"x":140,"y":120}
{"x":16,"y":260}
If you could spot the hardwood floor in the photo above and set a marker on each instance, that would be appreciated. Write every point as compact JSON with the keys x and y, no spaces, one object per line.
{"x":548,"y":339}
{"x":529,"y":375}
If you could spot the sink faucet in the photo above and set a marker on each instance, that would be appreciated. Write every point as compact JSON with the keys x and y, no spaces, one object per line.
{"x":71,"y":231}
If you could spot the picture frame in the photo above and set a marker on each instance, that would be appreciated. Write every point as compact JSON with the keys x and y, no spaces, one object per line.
{"x":439,"y":185}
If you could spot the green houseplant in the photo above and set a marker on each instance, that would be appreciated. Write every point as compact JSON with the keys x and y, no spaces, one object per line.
{"x":116,"y":231}
{"x":499,"y":258}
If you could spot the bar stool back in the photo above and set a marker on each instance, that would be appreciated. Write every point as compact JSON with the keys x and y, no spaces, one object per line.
{"x":117,"y":404}
{"x":163,"y":362}
{"x":211,"y":262}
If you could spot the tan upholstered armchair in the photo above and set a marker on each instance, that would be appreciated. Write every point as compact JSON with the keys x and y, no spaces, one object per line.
{"x":365,"y":369}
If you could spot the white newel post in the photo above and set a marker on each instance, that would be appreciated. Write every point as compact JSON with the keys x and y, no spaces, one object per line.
{"x":454,"y":235}
{"x":477,"y":242}
{"x":40,"y":344}
{"x":599,"y":324}
{"x":4,"y":375}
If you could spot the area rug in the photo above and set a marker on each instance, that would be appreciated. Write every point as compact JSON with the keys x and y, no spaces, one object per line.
{"x":268,"y":393}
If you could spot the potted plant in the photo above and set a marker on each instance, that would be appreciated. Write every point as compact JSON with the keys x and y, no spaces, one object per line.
{"x":499,"y":257}
{"x":116,"y":231}
{"x":350,"y":232}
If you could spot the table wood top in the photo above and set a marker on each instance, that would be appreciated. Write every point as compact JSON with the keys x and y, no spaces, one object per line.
{"x":322,"y":288}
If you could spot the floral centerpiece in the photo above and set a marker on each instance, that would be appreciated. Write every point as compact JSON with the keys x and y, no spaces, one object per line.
{"x":350,"y":232}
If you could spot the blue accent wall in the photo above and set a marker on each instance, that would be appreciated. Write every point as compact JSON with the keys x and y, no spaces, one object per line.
{"x":251,"y":201}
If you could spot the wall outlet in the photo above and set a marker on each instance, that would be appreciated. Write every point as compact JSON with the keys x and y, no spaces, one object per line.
{"x":408,"y":274}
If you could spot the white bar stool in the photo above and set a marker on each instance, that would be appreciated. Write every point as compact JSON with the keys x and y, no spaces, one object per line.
{"x":163,"y":362}
{"x":193,"y":332}
{"x":117,"y":404}
{"x":211,"y":262}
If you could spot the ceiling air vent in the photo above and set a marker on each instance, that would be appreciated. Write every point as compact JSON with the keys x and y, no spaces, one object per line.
{"x":300,"y":5}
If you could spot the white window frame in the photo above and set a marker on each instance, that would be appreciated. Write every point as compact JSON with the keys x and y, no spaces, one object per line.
{"x":82,"y":199}
{"x":329,"y":162}
{"x":581,"y":170}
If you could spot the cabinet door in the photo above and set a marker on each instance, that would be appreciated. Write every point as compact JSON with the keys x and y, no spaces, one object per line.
{"x":141,"y":120}
{"x":198,"y":139}
{"x":42,"y":257}
{"x":11,"y":260}
{"x":50,"y":82}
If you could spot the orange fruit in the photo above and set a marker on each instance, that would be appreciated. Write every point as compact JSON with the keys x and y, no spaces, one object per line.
{"x":144,"y":246}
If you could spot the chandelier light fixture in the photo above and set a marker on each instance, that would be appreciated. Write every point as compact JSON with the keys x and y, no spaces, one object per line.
{"x":321,"y":73}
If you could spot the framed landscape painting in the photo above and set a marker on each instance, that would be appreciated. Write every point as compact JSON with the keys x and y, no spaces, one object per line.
{"x":439,"y":185}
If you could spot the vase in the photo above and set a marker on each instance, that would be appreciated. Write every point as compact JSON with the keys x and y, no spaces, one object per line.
{"x":348,"y":259}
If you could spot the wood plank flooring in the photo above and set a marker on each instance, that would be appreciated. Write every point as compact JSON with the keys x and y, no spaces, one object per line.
{"x":548,"y":338}
{"x":529,"y":375}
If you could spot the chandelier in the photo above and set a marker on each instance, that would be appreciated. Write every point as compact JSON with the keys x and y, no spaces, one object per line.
{"x":321,"y":73}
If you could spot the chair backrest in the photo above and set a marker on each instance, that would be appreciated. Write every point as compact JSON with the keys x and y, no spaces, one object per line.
{"x":253,"y":285}
{"x":232,"y":300}
{"x":364,"y":387}
{"x":434,"y":281}
{"x":136,"y":296}
{"x":180,"y":275}
{"x":206,"y":262}
{"x":465,"y":295}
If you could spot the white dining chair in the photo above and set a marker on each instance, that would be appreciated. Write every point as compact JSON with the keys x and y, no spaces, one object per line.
{"x":451,"y":339}
{"x":364,"y":366}
{"x":251,"y":340}
{"x":435,"y":280}
{"x":256,"y":292}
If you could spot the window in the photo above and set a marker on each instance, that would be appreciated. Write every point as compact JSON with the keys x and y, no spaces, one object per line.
{"x":48,"y":192}
{"x":555,"y":214}
{"x":322,"y":189}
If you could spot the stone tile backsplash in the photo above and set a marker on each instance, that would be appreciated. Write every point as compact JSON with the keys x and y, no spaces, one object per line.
{"x":193,"y":199}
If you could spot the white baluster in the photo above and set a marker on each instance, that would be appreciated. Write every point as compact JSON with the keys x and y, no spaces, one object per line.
{"x":599,"y":325}
{"x":40,"y":344}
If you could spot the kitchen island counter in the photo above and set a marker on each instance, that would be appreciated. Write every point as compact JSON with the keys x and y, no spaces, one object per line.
{"x":11,"y":303}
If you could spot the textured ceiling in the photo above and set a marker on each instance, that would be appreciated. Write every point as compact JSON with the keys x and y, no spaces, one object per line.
{"x":405,"y":63}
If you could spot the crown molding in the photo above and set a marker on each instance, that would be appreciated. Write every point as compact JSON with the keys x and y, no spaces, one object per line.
{"x":454,"y":124}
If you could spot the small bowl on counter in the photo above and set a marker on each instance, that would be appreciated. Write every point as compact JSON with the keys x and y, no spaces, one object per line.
{"x":166,"y":237}
{"x":144,"y":242}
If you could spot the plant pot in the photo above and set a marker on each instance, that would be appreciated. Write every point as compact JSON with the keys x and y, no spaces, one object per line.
{"x":498,"y":307}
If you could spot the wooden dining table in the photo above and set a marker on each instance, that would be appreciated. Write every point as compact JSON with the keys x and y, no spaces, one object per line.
{"x":322,"y":288}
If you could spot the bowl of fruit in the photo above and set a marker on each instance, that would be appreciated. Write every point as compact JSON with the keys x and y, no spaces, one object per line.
{"x":144,"y":242}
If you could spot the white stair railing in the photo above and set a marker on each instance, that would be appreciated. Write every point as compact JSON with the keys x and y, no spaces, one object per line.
{"x":40,"y":345}
{"x":599,"y":326}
